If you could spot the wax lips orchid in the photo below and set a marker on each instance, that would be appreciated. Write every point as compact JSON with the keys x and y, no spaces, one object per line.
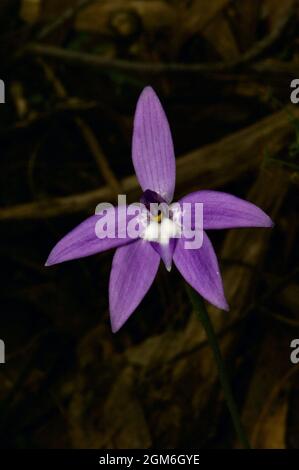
{"x":136,"y":261}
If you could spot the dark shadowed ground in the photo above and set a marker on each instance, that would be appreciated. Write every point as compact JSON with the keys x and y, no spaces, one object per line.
{"x":72,"y":75}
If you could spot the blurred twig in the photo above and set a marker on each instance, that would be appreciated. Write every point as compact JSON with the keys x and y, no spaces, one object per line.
{"x":71,"y":105}
{"x":67,"y":15}
{"x":87,"y":133}
{"x":211,"y":166}
{"x":81,"y":58}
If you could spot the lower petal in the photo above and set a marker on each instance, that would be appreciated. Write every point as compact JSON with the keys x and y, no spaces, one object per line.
{"x":133,"y":271}
{"x":200,"y":269}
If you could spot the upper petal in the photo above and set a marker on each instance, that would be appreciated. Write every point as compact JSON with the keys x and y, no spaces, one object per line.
{"x":152,"y":147}
{"x":222,"y":210}
{"x":83,"y":241}
{"x":133,"y":271}
{"x":200,"y":269}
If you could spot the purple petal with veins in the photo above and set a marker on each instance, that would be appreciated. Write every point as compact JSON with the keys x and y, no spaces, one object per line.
{"x":82,"y":241}
{"x":222,"y":210}
{"x":152,"y":147}
{"x":133,"y":271}
{"x":200,"y":269}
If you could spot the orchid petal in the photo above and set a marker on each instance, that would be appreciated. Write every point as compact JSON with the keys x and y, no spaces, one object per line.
{"x":152,"y":146}
{"x":222,"y":210}
{"x":83,"y":241}
{"x":200,"y":269}
{"x":133,"y":271}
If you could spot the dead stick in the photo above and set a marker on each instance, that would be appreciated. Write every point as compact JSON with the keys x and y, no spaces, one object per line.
{"x":93,"y":60}
{"x":87,"y":133}
{"x":67,"y":15}
{"x":211,"y":166}
{"x":153,"y":68}
{"x":99,"y":156}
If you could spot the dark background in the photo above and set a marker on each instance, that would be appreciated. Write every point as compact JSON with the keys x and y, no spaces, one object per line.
{"x":222,"y":70}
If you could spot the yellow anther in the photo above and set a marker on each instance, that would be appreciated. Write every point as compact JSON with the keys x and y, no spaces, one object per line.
{"x":158,"y":217}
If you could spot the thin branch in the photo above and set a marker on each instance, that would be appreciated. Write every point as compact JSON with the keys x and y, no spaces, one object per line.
{"x":92,"y":60}
{"x":71,"y":105}
{"x":210,"y":166}
{"x":87,"y":133}
{"x":67,"y":15}
{"x":99,"y":62}
{"x":99,"y":156}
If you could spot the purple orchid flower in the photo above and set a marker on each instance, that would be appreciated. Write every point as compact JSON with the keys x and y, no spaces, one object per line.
{"x":136,"y":262}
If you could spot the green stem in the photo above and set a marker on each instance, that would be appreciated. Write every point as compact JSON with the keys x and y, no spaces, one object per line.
{"x":204,"y":318}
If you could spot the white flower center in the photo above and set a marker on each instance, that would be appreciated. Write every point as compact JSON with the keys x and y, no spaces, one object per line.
{"x":161,"y":232}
